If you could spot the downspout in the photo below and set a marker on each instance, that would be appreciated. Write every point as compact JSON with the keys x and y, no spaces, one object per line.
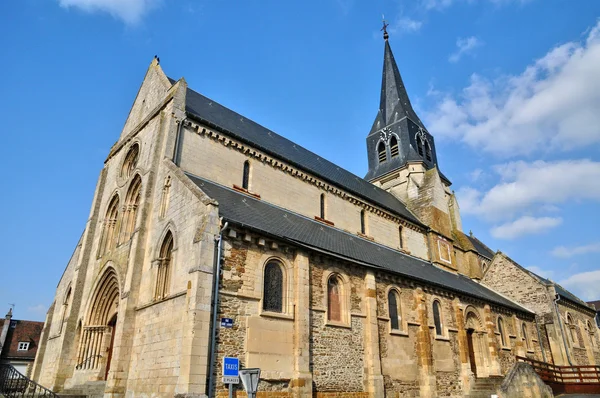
{"x":215,"y":304}
{"x":537,"y":328}
{"x":176,"y":158}
{"x":562,"y":331}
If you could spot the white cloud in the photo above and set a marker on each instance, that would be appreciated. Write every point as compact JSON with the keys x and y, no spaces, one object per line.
{"x":526,"y":225}
{"x":442,"y":4}
{"x":403,"y":24}
{"x":566,"y":252}
{"x":130,"y":11}
{"x":464,"y":46}
{"x":551,"y":105}
{"x":533,"y":186}
{"x":584,"y":285}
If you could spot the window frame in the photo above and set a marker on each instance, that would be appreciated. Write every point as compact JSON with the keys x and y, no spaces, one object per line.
{"x":400,"y":329}
{"x":23,"y":346}
{"x":246,"y":175}
{"x":381,"y":154}
{"x":164,"y":272}
{"x":130,"y":161}
{"x":279,"y":265}
{"x":501,"y":331}
{"x":527,"y":347}
{"x":394,"y":149}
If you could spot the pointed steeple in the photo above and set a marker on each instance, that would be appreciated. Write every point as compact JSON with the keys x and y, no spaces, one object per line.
{"x":394,"y":103}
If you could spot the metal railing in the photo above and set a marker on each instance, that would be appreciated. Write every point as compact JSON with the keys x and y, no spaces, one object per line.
{"x":14,"y":384}
{"x":576,"y":379}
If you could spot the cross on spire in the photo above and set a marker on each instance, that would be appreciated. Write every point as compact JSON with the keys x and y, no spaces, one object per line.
{"x":384,"y":29}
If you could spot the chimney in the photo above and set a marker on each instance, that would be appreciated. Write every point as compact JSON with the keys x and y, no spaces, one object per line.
{"x":5,"y":329}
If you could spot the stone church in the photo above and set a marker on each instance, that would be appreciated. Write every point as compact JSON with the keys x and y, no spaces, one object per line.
{"x":337,"y":286}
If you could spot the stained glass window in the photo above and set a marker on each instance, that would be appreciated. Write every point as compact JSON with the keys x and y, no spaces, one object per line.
{"x":273,"y":288}
{"x":394,"y":309}
{"x":334,"y":302}
{"x":437,"y":318}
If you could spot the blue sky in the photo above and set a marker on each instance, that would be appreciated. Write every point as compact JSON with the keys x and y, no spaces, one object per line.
{"x":509,"y":88}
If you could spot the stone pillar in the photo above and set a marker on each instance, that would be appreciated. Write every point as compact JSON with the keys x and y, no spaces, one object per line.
{"x":463,"y":345}
{"x":374,"y":378}
{"x":495,"y":369}
{"x":427,"y":382}
{"x":301,"y":384}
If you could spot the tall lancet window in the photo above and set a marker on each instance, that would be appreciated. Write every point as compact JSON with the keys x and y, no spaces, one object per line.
{"x":322,"y":212}
{"x":437,"y":318}
{"x":381,"y":152}
{"x":394,"y":147}
{"x":427,"y":151}
{"x":273,"y":287}
{"x":400,"y":238}
{"x":394,"y":309}
{"x":363,"y":227}
{"x":246,"y":175}
{"x":420,"y":146}
{"x":163,"y":274}
{"x":132,"y":202}
{"x":108,"y":239}
{"x":334,"y":298}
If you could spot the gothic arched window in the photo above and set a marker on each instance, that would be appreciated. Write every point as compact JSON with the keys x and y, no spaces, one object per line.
{"x":246,"y":175}
{"x":273,"y":287}
{"x":108,"y":239}
{"x":420,"y":146}
{"x":164,"y":261}
{"x":501,"y":331}
{"x":394,"y":309}
{"x":130,"y":161}
{"x":524,"y":331}
{"x":132,"y":202}
{"x":437,"y":318}
{"x":381,"y":152}
{"x":427,"y":151}
{"x":394,"y":147}
{"x":334,"y":298}
{"x":571,"y":329}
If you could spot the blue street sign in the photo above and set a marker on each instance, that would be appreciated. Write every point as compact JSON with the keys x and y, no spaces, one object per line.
{"x":231,"y":368}
{"x":226,"y":322}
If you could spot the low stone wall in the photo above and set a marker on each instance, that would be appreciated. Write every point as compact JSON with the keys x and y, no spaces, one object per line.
{"x":522,"y":382}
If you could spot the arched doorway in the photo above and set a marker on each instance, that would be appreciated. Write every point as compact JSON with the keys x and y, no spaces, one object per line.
{"x":95,"y":349}
{"x":473,"y":327}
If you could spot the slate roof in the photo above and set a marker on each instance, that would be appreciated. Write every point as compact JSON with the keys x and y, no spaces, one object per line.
{"x":23,"y":331}
{"x":272,"y":220}
{"x":213,"y":114}
{"x":481,"y":247}
{"x":595,"y":304}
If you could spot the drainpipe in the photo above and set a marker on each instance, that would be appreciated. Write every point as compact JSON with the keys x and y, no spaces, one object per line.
{"x":562,"y":332}
{"x":176,"y":158}
{"x":537,"y":328}
{"x":215,"y":309}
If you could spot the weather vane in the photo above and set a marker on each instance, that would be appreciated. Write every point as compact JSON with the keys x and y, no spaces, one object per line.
{"x":384,"y":29}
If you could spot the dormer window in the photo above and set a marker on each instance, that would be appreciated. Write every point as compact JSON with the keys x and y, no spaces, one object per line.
{"x":23,"y":346}
{"x":381,"y":152}
{"x":394,"y":147}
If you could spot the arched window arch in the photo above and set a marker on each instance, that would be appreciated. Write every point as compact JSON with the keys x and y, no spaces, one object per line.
{"x":108,"y":238}
{"x":437,"y":318}
{"x":382,"y":155}
{"x":363,"y":226}
{"x":525,"y":337}
{"x":591,"y":331}
{"x":394,"y":309}
{"x":501,"y":331}
{"x":246,"y":175}
{"x":130,"y":162}
{"x":65,"y":309}
{"x":322,"y":209}
{"x":394,"y":151}
{"x":273,"y":287}
{"x":334,"y":298}
{"x":132,"y":202}
{"x":164,"y":264}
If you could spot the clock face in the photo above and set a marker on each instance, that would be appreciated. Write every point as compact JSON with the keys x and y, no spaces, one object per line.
{"x":385,"y":133}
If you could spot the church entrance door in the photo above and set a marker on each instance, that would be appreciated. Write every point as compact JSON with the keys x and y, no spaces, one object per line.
{"x":113,"y":326}
{"x":471,"y":351}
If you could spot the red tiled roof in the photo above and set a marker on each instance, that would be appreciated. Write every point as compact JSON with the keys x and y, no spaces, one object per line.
{"x":25,"y":332}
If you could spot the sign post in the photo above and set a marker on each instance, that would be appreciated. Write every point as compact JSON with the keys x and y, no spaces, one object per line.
{"x":231,"y":376}
{"x":250,"y":379}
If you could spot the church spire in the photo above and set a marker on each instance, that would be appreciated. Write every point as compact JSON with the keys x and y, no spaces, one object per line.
{"x":394,"y":103}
